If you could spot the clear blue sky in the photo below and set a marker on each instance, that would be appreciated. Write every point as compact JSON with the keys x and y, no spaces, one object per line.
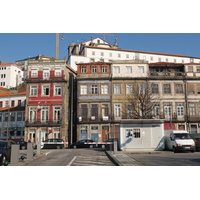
{"x":16,"y":46}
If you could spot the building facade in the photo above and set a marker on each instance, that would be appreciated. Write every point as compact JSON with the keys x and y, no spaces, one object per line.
{"x":94,"y":101}
{"x":48,"y":114}
{"x":12,"y":115}
{"x":96,"y":50}
{"x":11,"y":75}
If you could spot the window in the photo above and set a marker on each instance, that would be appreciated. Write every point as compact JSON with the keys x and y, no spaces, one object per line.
{"x":191,"y":89}
{"x":93,"y":53}
{"x":19,"y":116}
{"x":19,"y":102}
{"x":5,"y":117}
{"x":127,"y":56}
{"x":34,"y":72}
{"x":104,"y":69}
{"x":168,"y":110}
{"x":46,"y":73}
{"x":83,"y":89}
{"x":94,"y":69}
{"x":129,"y":69}
{"x":142,"y":88}
{"x":33,"y":90}
{"x":45,"y":90}
{"x":117,"y":89}
{"x":32,"y":114}
{"x":155,"y":89}
{"x":159,"y":59}
{"x":57,"y":90}
{"x":141,"y":69}
{"x":57,"y":113}
{"x":175,"y":60}
{"x":105,"y":110}
{"x":180,"y":110}
{"x":117,"y":110}
{"x":12,"y":116}
{"x":102,"y":53}
{"x":192,"y":109}
{"x":129,"y":88}
{"x":156,"y":110}
{"x":57,"y":71}
{"x":110,"y":54}
{"x":167,"y":88}
{"x":179,"y":88}
{"x":119,"y":55}
{"x":12,"y":103}
{"x":1,"y":104}
{"x":84,"y":134}
{"x":166,"y":59}
{"x":117,"y":69}
{"x":135,"y":133}
{"x":84,"y":111}
{"x":0,"y":117}
{"x":104,"y":89}
{"x":44,"y":114}
{"x":83,"y":69}
{"x":130,"y":111}
{"x":94,"y":111}
{"x":94,"y":89}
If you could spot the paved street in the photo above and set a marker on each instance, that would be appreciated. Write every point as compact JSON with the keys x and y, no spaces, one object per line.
{"x":72,"y":157}
{"x":168,"y":158}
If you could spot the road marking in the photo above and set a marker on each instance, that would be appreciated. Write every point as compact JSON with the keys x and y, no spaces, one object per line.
{"x":69,"y":164}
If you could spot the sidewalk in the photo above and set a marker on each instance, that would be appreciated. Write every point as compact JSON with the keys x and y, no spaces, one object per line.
{"x":121,"y":158}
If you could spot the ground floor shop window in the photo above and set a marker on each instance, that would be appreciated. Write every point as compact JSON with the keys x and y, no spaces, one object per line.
{"x":94,"y":136}
{"x":84,"y":134}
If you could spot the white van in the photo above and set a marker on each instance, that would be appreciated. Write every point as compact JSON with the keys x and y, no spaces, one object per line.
{"x":179,"y":140}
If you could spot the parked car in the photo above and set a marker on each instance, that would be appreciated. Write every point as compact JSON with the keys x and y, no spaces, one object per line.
{"x":81,"y":144}
{"x":5,"y":151}
{"x":53,"y":143}
{"x":22,"y":144}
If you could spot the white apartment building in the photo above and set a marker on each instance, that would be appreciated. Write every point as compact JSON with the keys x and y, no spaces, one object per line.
{"x":10,"y":75}
{"x":12,"y":115}
{"x":97,"y":49}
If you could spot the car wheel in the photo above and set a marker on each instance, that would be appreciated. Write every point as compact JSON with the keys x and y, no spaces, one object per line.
{"x":103,"y":146}
{"x":23,"y":148}
{"x":74,"y":147}
{"x":58,"y":147}
{"x":91,"y":146}
{"x":174,"y":150}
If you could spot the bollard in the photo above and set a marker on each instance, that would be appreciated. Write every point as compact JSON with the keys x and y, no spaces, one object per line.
{"x":29,"y":150}
{"x":115,"y":147}
{"x":14,"y":154}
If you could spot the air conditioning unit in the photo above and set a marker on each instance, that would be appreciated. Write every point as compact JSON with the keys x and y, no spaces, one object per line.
{"x":105,"y":118}
{"x":80,"y":119}
{"x":93,"y":118}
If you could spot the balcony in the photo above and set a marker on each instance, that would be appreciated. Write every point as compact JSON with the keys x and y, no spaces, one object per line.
{"x":94,"y":119}
{"x":167,"y":75}
{"x":50,"y":78}
{"x":43,"y":123}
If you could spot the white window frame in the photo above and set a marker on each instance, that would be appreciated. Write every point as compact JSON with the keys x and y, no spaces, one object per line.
{"x":57,"y":113}
{"x":117,"y":89}
{"x":33,"y":90}
{"x":57,"y":90}
{"x":117,"y":69}
{"x":180,"y":110}
{"x":141,"y":69}
{"x":32,"y":114}
{"x":44,"y":114}
{"x":129,"y":88}
{"x":104,"y":89}
{"x":129,"y":69}
{"x":117,"y":110}
{"x":43,"y":90}
{"x":83,"y":89}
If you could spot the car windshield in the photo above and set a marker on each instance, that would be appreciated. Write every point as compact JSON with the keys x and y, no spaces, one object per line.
{"x":181,"y":136}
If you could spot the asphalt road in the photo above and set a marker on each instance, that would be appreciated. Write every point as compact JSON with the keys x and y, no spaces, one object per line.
{"x":168,"y":158}
{"x":72,"y":157}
